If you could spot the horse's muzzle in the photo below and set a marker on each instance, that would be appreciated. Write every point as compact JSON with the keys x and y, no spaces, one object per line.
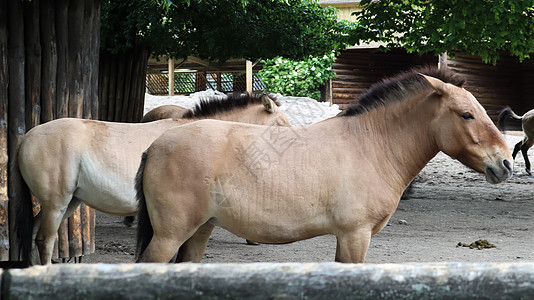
{"x":496,"y":173}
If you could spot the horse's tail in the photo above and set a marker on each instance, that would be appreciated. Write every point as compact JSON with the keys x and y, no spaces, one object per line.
{"x":22,"y":201}
{"x":505,"y":113}
{"x":144,"y":227}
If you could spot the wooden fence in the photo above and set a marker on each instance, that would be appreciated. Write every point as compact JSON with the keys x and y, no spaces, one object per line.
{"x":48,"y":70}
{"x":358,"y":69}
{"x":191,"y":82}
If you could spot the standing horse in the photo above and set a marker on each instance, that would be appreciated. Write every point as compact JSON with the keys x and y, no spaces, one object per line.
{"x":66,"y":162}
{"x":527,"y":123}
{"x":342,"y":176}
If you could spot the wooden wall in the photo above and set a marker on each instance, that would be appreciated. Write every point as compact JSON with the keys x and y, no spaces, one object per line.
{"x":358,"y":69}
{"x":508,"y":83}
{"x":48,"y":70}
{"x":496,"y":86}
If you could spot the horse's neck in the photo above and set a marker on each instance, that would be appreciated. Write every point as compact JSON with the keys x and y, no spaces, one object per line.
{"x":400,"y":134}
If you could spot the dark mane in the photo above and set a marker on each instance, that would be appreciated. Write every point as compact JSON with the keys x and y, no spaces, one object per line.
{"x":214,"y":105}
{"x":400,"y":87}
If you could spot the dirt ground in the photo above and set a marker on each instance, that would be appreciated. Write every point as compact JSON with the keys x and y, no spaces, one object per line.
{"x":449,"y":204}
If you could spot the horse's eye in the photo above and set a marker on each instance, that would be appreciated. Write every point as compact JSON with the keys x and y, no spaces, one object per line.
{"x":467,"y":116}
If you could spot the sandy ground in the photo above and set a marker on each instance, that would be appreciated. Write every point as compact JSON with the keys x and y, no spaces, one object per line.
{"x":449,"y":204}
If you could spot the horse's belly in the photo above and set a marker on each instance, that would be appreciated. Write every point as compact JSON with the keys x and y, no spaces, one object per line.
{"x":266,"y":213}
{"x":109,"y":194}
{"x":108,"y":200}
{"x":272,"y":227}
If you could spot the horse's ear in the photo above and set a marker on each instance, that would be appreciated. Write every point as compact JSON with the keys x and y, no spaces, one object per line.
{"x":267,"y":103}
{"x":437,"y":85}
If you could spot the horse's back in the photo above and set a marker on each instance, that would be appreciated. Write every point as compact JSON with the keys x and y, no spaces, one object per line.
{"x":164,"y":112}
{"x":528,"y":123}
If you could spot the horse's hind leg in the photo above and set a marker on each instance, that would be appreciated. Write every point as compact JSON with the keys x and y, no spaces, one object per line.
{"x":50,"y":218}
{"x":524,"y":151}
{"x":193,"y":249}
{"x":517,"y":147}
{"x":160,"y":249}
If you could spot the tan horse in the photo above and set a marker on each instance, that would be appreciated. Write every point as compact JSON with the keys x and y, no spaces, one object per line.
{"x":66,"y":162}
{"x":527,"y":123}
{"x":343,"y":176}
{"x":164,"y":112}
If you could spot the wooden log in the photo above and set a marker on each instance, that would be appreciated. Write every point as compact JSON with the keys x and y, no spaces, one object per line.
{"x":103,"y":85}
{"x":119,"y":88}
{"x":86,"y":59}
{"x":171,"y":76}
{"x":128,"y":99}
{"x":62,"y":25}
{"x":32,"y":45}
{"x":94,"y":63}
{"x":75,"y":233}
{"x":139,"y":86}
{"x":16,"y":115}
{"x":48,"y":60}
{"x":137,"y":97}
{"x":272,"y":281}
{"x":75,"y":45}
{"x":4,"y":82}
{"x":112,"y":88}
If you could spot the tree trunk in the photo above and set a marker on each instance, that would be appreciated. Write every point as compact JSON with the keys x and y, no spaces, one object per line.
{"x":4,"y":82}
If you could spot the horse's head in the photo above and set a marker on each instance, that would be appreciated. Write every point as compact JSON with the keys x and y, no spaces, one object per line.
{"x":463,"y":130}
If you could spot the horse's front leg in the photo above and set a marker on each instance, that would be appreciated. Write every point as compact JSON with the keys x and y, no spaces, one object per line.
{"x":193,"y":249}
{"x":352,"y":246}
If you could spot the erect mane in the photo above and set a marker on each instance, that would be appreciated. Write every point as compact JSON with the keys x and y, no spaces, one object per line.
{"x":401,"y":87}
{"x":214,"y":105}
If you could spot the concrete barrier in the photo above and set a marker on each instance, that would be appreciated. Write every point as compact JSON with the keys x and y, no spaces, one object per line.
{"x":271,"y":281}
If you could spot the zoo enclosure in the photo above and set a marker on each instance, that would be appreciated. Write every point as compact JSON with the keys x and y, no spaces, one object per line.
{"x":191,"y":82}
{"x":194,"y":75}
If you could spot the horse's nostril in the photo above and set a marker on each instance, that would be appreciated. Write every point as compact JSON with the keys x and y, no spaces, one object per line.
{"x":506,"y":163}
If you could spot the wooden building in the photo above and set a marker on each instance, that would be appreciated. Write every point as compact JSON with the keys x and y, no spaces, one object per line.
{"x":508,"y":83}
{"x":496,"y":86}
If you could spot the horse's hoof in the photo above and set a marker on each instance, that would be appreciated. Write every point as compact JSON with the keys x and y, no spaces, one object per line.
{"x":249,"y":242}
{"x":128,"y":221}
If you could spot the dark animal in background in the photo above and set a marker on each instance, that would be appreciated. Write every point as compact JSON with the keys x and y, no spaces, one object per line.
{"x":527,"y":123}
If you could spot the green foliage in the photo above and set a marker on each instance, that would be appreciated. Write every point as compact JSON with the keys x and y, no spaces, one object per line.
{"x":298,"y":78}
{"x":218,"y":30}
{"x":225,"y":29}
{"x":128,"y":24}
{"x":483,"y":28}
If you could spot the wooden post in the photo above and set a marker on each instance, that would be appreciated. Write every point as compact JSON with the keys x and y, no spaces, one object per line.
{"x":16,"y":114}
{"x":171,"y":77}
{"x":442,"y":61}
{"x":249,"y":76}
{"x":4,"y":83}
